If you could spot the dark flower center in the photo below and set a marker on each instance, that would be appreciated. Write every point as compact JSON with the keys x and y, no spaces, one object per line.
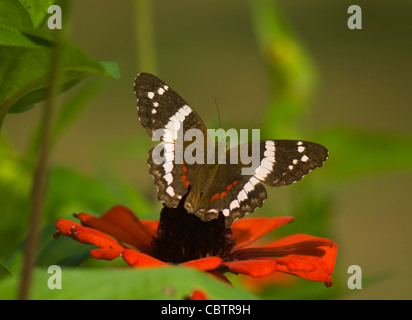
{"x":182,"y":236}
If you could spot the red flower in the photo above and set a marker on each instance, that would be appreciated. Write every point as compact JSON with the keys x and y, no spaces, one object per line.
{"x":198,"y":295}
{"x":119,"y":233}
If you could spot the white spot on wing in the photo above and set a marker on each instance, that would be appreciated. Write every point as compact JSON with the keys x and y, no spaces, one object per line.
{"x":169,"y":178}
{"x":175,"y":119}
{"x":185,"y":110}
{"x":270,"y":145}
{"x":173,"y":125}
{"x":168,"y":167}
{"x":269,"y":154}
{"x":169,"y":135}
{"x":169,"y":156}
{"x":234,"y":204}
{"x":180,"y":116}
{"x":261,"y":173}
{"x":170,"y":191}
{"x":168,"y":147}
{"x":253,"y":181}
{"x":242,"y":196}
{"x":248,"y":187}
{"x":150,"y":95}
{"x":267,"y":164}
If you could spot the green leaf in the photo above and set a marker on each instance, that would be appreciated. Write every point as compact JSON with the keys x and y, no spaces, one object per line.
{"x":21,"y":108}
{"x":4,"y":273}
{"x":37,"y":9}
{"x":24,"y":74}
{"x":10,"y":37}
{"x":14,"y":261}
{"x":111,"y":69}
{"x":14,"y":15}
{"x":62,"y":251}
{"x":139,"y":284}
{"x":26,"y":55}
{"x":28,"y":101}
{"x":71,"y":191}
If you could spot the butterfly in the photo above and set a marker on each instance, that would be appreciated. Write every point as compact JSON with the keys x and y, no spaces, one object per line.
{"x":209,"y":189}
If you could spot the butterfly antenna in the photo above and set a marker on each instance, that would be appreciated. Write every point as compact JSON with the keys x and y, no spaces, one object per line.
{"x":220,"y":122}
{"x":218,"y":113}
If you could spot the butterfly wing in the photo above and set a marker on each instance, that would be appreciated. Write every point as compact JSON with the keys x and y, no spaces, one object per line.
{"x":281,"y":162}
{"x":162,"y":112}
{"x":160,"y":107}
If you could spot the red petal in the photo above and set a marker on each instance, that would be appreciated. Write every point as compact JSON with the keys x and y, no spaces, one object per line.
{"x":305,"y":256}
{"x":106,"y":254}
{"x":137,"y":259}
{"x":205,"y":264}
{"x":254,"y":268}
{"x":295,"y":238}
{"x":150,"y":226}
{"x":87,"y":235}
{"x":323,"y":265}
{"x":301,"y":268}
{"x":294,"y":265}
{"x":198,"y":295}
{"x":245,"y":231}
{"x":65,"y":226}
{"x":110,"y":248}
{"x":122,"y":224}
{"x":108,"y":228}
{"x":127,"y":220}
{"x":325,"y":262}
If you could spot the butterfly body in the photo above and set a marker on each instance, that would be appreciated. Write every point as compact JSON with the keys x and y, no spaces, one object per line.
{"x":200,"y":194}
{"x":222,"y":186}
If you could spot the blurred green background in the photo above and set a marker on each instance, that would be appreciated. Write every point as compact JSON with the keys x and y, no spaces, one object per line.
{"x":291,"y":68}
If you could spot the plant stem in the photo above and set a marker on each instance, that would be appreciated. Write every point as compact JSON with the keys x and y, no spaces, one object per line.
{"x":293,"y":74}
{"x":144,"y":39}
{"x":41,"y":171}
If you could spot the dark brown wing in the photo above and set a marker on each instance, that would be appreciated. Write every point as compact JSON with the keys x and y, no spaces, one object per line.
{"x":165,"y":115}
{"x":280,"y":162}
